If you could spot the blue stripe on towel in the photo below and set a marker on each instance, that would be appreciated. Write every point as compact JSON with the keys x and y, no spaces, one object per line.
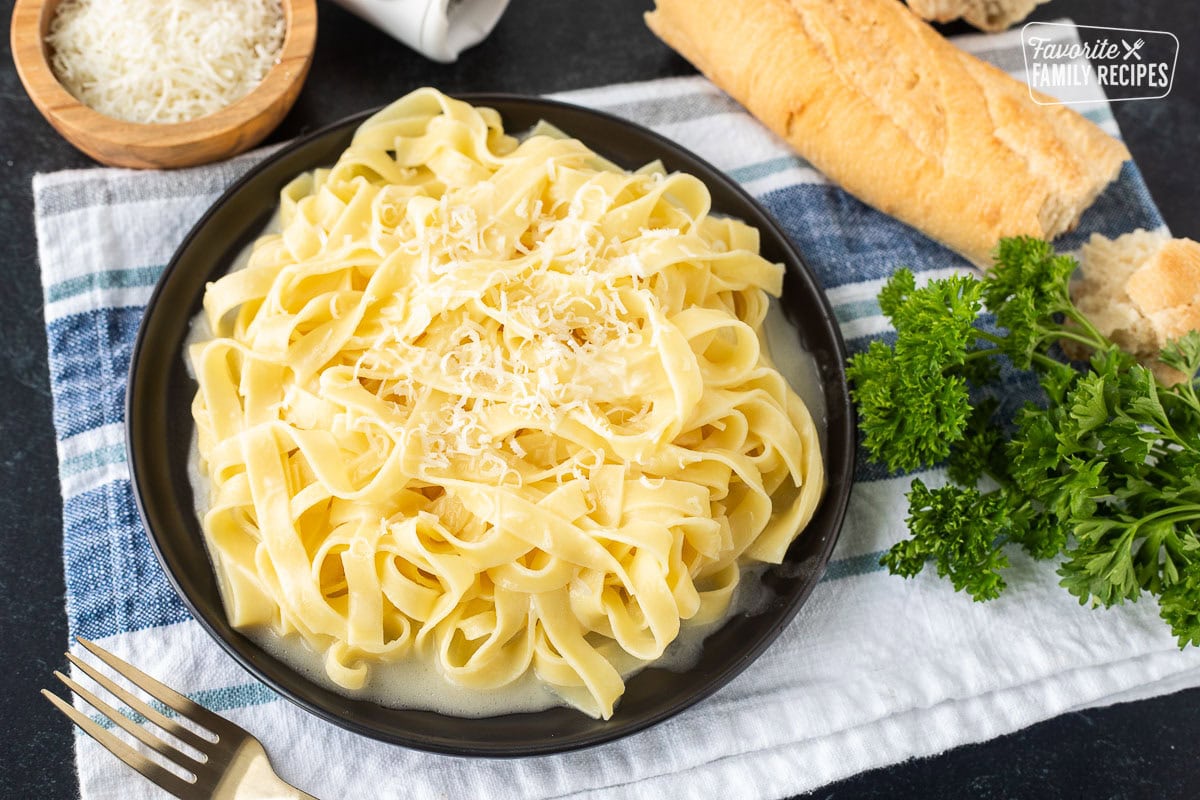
{"x":114,"y":581}
{"x":108,"y":279}
{"x":1124,"y":206}
{"x":89,"y":357}
{"x":225,"y":698}
{"x":845,"y":241}
{"x":853,"y":566}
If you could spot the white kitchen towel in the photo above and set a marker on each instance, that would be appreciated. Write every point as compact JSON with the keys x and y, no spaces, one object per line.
{"x":873,"y":670}
{"x":437,"y":29}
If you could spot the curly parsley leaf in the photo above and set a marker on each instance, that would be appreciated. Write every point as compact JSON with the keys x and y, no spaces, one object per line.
{"x":913,"y":397}
{"x":956,"y":528}
{"x":1180,"y":602}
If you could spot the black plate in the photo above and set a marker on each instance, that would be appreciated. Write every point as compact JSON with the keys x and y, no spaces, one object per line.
{"x":159,"y":432}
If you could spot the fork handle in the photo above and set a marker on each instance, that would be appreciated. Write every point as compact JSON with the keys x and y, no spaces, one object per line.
{"x":259,"y":782}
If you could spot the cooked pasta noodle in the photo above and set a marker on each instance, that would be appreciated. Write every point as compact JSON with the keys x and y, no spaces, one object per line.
{"x":497,"y":404}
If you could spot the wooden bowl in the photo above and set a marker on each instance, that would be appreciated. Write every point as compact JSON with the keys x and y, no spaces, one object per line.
{"x":231,"y":130}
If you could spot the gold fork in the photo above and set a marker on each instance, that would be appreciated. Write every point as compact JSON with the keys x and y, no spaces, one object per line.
{"x":233,"y":766}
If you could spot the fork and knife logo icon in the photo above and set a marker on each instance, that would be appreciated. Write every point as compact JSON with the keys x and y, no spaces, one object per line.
{"x":1132,"y":49}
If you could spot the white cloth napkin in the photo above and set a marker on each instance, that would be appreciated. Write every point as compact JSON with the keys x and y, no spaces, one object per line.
{"x":873,"y":670}
{"x":438,"y":29}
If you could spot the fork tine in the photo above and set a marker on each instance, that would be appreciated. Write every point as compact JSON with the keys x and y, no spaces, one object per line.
{"x":132,"y":728}
{"x":163,"y":693}
{"x":163,"y":778}
{"x":169,"y":725}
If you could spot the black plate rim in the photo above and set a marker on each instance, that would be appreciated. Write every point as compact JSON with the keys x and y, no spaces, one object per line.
{"x":841,"y":449}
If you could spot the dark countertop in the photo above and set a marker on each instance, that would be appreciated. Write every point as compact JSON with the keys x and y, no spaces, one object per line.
{"x":1145,"y":749}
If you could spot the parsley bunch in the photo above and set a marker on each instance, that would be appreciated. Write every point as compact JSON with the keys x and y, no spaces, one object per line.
{"x":1104,"y":472}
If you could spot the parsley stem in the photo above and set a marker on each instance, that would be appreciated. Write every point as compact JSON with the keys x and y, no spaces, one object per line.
{"x":1165,"y":475}
{"x":1097,"y":339}
{"x":1185,"y":392}
{"x":1167,"y":430}
{"x":982,"y":352}
{"x":1069,"y":333}
{"x":1044,"y":360}
{"x":1172,"y":514}
{"x":990,"y":337}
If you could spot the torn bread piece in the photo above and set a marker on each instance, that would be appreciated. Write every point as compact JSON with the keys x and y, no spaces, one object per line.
{"x":1141,"y":290}
{"x":987,"y":15}
{"x":879,"y":102}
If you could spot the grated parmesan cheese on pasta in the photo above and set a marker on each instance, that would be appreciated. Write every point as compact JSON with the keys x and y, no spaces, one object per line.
{"x":163,"y":61}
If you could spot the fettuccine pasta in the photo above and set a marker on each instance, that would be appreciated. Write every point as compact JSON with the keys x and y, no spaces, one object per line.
{"x":497,"y":404}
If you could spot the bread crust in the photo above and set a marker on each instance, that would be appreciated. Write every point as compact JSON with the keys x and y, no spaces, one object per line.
{"x":987,"y":15}
{"x":884,"y":106}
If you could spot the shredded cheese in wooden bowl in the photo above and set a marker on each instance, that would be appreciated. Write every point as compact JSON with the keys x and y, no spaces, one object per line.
{"x":164,"y":61}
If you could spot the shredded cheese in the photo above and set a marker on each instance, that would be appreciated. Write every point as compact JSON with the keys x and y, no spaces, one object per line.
{"x":164,"y":61}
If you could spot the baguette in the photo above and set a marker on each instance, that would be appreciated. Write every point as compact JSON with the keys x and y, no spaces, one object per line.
{"x":880,"y":103}
{"x":1141,"y":290}
{"x":987,"y":15}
